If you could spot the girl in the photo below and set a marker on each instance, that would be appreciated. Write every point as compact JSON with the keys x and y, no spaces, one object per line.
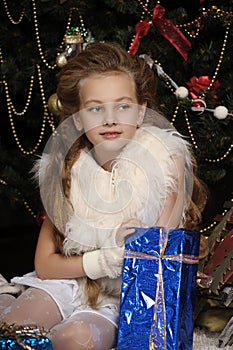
{"x":113,"y":164}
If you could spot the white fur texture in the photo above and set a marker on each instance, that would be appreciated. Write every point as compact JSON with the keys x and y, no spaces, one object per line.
{"x":142,"y":176}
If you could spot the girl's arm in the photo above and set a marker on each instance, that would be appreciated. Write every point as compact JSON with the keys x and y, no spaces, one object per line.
{"x":48,"y":263}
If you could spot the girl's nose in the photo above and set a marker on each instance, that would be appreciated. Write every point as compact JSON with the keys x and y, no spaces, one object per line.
{"x":110,"y":117}
{"x":109,"y":123}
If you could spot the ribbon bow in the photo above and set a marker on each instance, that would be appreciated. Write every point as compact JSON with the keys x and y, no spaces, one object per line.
{"x":203,"y":82}
{"x":166,"y":28}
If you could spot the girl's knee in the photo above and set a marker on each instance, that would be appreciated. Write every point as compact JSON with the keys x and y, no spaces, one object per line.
{"x":5,"y":305}
{"x":74,"y":335}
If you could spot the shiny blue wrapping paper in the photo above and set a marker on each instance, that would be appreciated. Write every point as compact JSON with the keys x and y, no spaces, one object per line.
{"x":17,"y":337}
{"x":158,"y":290}
{"x":34,"y":343}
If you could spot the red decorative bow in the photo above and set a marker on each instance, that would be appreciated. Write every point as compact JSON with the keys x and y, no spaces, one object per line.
{"x":202,"y":83}
{"x":166,"y":28}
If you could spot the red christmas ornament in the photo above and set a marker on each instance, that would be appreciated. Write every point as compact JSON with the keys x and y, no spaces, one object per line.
{"x":202,"y":83}
{"x":198,"y":105}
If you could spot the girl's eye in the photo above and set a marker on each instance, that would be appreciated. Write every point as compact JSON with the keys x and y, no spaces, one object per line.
{"x":95,"y":109}
{"x":124,"y":106}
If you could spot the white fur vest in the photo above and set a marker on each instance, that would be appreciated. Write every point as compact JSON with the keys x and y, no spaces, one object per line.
{"x":142,"y":176}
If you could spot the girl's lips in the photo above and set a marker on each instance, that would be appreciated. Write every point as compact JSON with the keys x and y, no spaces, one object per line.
{"x":111,"y":135}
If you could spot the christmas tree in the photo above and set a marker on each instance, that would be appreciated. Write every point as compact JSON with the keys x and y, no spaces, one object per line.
{"x":188,"y":45}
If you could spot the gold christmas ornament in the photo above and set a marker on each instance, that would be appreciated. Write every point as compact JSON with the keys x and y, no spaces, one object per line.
{"x":74,"y":39}
{"x":54,"y":105}
{"x":61,"y":60}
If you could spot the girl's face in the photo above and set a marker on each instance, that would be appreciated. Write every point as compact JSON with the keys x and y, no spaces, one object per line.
{"x":109,"y":113}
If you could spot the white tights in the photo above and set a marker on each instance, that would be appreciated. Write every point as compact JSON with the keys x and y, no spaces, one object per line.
{"x":84,"y":330}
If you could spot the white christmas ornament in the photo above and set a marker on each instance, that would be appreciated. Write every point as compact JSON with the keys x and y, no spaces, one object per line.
{"x":182,"y":92}
{"x":220,"y":112}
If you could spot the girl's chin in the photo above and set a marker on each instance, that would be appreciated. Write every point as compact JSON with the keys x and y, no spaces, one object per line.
{"x":111,"y":144}
{"x":108,"y":150}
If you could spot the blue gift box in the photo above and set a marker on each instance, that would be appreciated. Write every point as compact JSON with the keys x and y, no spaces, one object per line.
{"x":13,"y":337}
{"x":32,"y":343}
{"x":158,"y":290}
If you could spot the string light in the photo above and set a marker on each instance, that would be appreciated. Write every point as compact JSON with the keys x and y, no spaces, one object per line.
{"x":214,"y":223}
{"x":21,"y":148}
{"x":191,"y":34}
{"x":196,"y":23}
{"x":9,"y":15}
{"x":145,"y":8}
{"x":38,"y":38}
{"x":146,"y":11}
{"x":44,"y":101}
{"x":11,"y":110}
{"x":214,"y":11}
{"x":219,"y":62}
{"x":10,"y":103}
{"x":188,"y":125}
{"x":29,"y":209}
{"x":202,"y":96}
{"x":172,"y":85}
{"x":47,"y":117}
{"x":217,"y":160}
{"x":83,"y":29}
{"x":208,"y":228}
{"x":217,"y":13}
{"x":37,"y":33}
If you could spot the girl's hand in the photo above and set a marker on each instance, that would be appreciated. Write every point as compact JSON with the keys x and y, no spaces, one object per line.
{"x":126,"y":229}
{"x":109,"y":261}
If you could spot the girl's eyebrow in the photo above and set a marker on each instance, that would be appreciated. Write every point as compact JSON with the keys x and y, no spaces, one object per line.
{"x":120,"y":99}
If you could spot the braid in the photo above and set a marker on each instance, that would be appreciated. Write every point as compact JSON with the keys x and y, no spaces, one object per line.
{"x":198,"y":200}
{"x":93,"y":290}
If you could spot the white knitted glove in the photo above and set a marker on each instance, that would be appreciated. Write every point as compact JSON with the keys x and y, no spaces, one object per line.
{"x":103,"y":262}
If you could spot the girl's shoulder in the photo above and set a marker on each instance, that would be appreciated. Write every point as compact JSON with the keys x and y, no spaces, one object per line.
{"x":169,"y":139}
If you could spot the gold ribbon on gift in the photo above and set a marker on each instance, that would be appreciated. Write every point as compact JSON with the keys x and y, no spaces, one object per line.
{"x":17,"y":332}
{"x":160,"y":305}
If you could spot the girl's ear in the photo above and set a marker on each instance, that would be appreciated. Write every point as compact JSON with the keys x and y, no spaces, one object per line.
{"x":77,"y":121}
{"x":141,"y":113}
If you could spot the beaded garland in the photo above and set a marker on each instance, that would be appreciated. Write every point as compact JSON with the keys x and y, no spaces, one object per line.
{"x":191,"y":28}
{"x":216,"y":13}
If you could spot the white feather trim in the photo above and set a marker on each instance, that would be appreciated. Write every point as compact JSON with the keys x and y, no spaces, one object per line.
{"x":142,"y":177}
{"x":39,"y":168}
{"x":11,"y":288}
